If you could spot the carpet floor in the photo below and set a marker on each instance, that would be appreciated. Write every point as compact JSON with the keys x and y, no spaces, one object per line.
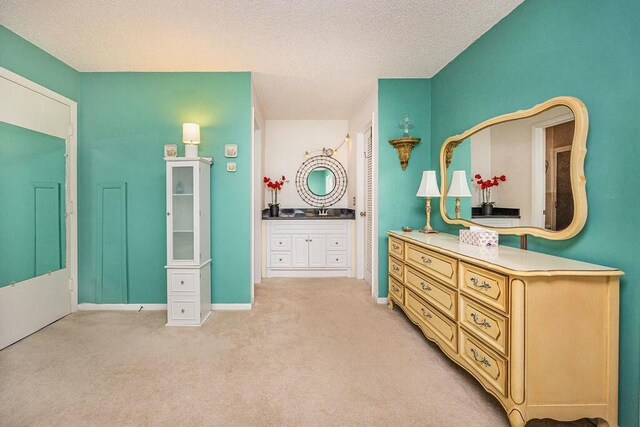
{"x":312,"y":352}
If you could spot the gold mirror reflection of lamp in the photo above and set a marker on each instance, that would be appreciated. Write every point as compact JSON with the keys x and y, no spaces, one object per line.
{"x":428,"y":189}
{"x":459,"y":188}
{"x":191,"y":139}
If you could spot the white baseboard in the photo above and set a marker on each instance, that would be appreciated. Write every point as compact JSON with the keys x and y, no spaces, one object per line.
{"x":230,"y":307}
{"x":382,"y":300}
{"x":121,"y":307}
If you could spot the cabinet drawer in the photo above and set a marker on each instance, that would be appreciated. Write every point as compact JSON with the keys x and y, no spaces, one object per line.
{"x":396,"y":269}
{"x":444,"y":328}
{"x":396,"y":247}
{"x":432,"y":291}
{"x":396,"y":290}
{"x":336,"y":241}
{"x":182,"y":282}
{"x":485,"y":285}
{"x":280,"y":242}
{"x":280,"y":259}
{"x":438,"y":265}
{"x":490,"y":368}
{"x":183,"y":309}
{"x":490,"y":326}
{"x":336,"y":259}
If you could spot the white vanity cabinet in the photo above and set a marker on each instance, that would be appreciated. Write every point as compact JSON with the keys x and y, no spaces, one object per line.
{"x":188,"y":241}
{"x":308,"y":248}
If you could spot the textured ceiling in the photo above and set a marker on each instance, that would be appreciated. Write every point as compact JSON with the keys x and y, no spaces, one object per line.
{"x":312,"y":59}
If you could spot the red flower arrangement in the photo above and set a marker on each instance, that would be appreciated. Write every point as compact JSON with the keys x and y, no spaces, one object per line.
{"x":486,"y":185}
{"x":274,"y":186}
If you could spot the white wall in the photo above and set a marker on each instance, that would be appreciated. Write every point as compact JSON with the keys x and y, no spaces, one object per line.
{"x":480,"y":162}
{"x":285,"y":142}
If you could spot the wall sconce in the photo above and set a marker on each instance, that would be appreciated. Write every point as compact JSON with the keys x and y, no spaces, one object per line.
{"x":405,"y":144}
{"x":328,"y":151}
{"x":191,"y":139}
{"x":458,"y":188}
{"x":428,"y":188}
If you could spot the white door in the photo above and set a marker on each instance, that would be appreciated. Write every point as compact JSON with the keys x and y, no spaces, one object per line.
{"x":42,"y":288}
{"x":300,"y":250}
{"x":368,"y":204}
{"x":317,"y":251}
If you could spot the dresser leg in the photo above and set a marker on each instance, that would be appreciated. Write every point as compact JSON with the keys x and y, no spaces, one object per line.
{"x":389,"y":303}
{"x":602,"y":423}
{"x":515,"y":418}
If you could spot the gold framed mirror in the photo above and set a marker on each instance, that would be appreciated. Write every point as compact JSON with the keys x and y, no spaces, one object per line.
{"x":525,"y":171}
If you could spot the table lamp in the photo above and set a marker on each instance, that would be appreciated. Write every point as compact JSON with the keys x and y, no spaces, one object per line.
{"x":458,"y":188}
{"x":428,"y":189}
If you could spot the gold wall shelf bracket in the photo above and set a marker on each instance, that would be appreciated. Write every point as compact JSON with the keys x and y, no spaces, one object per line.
{"x":404,"y":147}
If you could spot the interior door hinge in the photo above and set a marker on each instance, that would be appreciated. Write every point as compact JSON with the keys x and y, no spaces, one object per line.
{"x":71,"y":129}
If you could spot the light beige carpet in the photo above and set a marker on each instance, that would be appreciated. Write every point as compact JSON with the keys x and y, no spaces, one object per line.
{"x":312,"y":352}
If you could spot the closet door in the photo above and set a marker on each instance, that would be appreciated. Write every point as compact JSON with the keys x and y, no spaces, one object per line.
{"x":37,"y":219}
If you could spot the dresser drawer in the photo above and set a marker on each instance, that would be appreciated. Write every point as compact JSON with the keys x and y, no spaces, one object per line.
{"x":183,"y":309}
{"x":396,"y":247}
{"x":441,"y":326}
{"x":182,"y":282}
{"x":490,"y":368}
{"x":280,"y":259}
{"x":490,"y":326}
{"x":485,"y":285}
{"x":336,"y":241}
{"x":439,"y":295}
{"x":397,"y":290}
{"x":438,"y":265}
{"x":280,"y":242}
{"x":396,"y":269}
{"x":336,"y":259}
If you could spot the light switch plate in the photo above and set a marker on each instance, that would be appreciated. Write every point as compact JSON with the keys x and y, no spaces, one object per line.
{"x":231,"y":166}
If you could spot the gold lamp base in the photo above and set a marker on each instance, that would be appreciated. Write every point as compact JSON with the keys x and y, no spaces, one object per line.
{"x":427,"y":228}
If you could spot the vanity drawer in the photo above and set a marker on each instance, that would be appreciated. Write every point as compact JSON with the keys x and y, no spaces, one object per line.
{"x":490,"y":326}
{"x":491,"y":369}
{"x":431,"y":290}
{"x":181,"y":308}
{"x":437,"y":322}
{"x":396,"y":290}
{"x":336,"y":241}
{"x":336,"y":259}
{"x":396,"y":269}
{"x":396,"y":247}
{"x":438,"y":265}
{"x":485,"y":285}
{"x":280,"y":242}
{"x":280,"y":259}
{"x":182,"y":282}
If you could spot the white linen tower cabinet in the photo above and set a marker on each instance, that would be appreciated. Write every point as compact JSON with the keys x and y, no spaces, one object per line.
{"x":188,"y":240}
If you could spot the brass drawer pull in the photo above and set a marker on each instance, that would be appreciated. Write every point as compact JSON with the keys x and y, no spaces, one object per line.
{"x":426,"y":260}
{"x":482,"y":322}
{"x":395,"y":289}
{"x":483,"y":360}
{"x":425,"y":286}
{"x":395,"y":268}
{"x":395,"y":247}
{"x":474,"y":280}
{"x":426,"y":314}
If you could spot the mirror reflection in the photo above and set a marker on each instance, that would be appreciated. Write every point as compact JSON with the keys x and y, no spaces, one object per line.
{"x":32,"y":196}
{"x":519,"y":172}
{"x":321,"y":181}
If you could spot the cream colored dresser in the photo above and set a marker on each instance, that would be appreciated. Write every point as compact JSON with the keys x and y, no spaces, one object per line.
{"x":539,"y":332}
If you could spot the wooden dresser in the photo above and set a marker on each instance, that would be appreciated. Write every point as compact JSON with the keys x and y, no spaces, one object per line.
{"x":539,"y":332}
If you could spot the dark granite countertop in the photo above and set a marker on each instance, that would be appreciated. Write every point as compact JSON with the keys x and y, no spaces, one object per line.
{"x":497,"y":212}
{"x":309,"y":213}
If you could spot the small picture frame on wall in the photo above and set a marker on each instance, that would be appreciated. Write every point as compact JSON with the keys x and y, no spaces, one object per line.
{"x":231,"y":150}
{"x":171,"y":150}
{"x":231,"y":166}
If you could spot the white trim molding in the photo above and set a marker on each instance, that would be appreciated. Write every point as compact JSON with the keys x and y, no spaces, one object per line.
{"x":231,"y":307}
{"x":382,"y":300}
{"x":121,"y":307}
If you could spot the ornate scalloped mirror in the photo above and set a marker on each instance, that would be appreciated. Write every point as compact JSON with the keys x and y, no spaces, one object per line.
{"x":525,"y":171}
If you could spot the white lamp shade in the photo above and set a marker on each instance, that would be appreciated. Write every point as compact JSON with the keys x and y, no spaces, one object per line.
{"x":191,"y":133}
{"x":428,"y":185}
{"x":459,"y":186}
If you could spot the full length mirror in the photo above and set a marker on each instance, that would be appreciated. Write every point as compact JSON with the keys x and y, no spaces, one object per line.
{"x":32,"y":195}
{"x":525,"y":171}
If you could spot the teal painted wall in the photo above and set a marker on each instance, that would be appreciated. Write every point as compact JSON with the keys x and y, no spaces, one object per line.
{"x":33,"y":63}
{"x":397,"y":202}
{"x":588,"y":49}
{"x":32,"y":222}
{"x":124,"y":121}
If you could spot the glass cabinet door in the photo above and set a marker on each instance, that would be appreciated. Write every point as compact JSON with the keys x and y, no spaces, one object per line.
{"x":182,"y":179}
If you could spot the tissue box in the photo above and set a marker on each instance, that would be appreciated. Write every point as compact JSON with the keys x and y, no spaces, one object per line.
{"x":479,"y":237}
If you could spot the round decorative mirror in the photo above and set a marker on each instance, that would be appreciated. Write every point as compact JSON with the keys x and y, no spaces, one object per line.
{"x":321,"y":181}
